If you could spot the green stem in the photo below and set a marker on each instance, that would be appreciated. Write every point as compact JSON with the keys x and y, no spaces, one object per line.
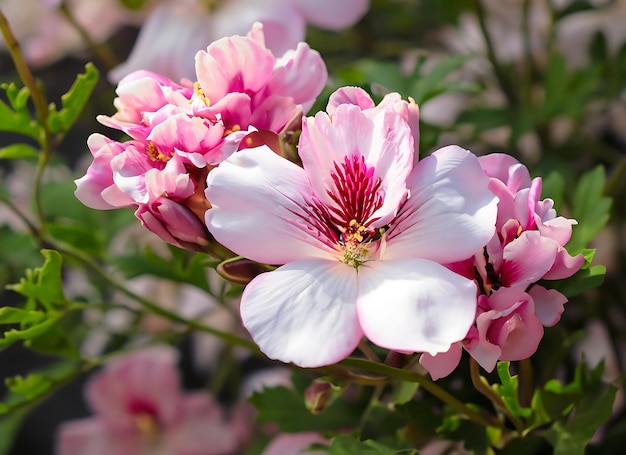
{"x":153,"y":307}
{"x":498,"y":402}
{"x":367,"y":351}
{"x":426,"y":384}
{"x":100,"y":51}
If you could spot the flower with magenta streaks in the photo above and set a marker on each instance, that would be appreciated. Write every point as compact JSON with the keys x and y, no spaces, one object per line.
{"x":528,"y":246}
{"x":361,"y":232}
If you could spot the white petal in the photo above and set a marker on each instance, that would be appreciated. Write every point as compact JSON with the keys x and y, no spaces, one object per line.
{"x":254,"y":195}
{"x":414,"y":305}
{"x":304,"y":312}
{"x":451,"y":213}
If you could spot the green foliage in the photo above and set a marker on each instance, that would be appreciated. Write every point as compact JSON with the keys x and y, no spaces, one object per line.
{"x":73,"y":101}
{"x":18,"y":151}
{"x":286,"y":407}
{"x":15,"y":117}
{"x":590,"y":208}
{"x":348,"y":445}
{"x":509,"y":391}
{"x":133,"y":4}
{"x":183,"y":266}
{"x":591,"y":408}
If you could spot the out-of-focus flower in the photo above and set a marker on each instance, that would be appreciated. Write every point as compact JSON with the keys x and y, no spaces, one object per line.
{"x":140,"y":409}
{"x":174,"y":31}
{"x":358,"y":225}
{"x":180,"y":132}
{"x":528,"y":246}
{"x":295,"y":444}
{"x":46,"y":35}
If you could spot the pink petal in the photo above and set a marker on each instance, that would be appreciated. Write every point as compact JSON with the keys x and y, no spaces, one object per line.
{"x":527,"y":259}
{"x":257,"y":197}
{"x":94,"y":437}
{"x":234,"y":64}
{"x":149,"y":376}
{"x":203,"y":428}
{"x":331,"y":14}
{"x":414,"y":305}
{"x":442,"y":364}
{"x":548,"y":304}
{"x":304,"y":312}
{"x":450,"y":215}
{"x":564,"y":265}
{"x":168,"y":41}
{"x":294,"y":444}
{"x":507,"y":169}
{"x":349,"y":95}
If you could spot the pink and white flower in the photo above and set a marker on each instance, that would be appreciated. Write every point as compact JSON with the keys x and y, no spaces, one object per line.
{"x":179,"y":132}
{"x":361,"y":232}
{"x":528,"y":246}
{"x":140,"y":409}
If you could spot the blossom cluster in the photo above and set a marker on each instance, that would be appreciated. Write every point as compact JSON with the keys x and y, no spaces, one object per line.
{"x":367,"y":240}
{"x":179,"y":132}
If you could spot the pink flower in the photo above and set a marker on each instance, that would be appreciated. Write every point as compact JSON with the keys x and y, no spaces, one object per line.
{"x":180,"y":132}
{"x":174,"y":31}
{"x":295,"y":444}
{"x":140,"y":409}
{"x":362,"y":234}
{"x":528,"y":247}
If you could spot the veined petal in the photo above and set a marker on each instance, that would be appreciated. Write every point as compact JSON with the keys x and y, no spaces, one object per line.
{"x":257,"y":198}
{"x":527,"y":258}
{"x":304,"y":312}
{"x":414,"y":305}
{"x":450,"y":214}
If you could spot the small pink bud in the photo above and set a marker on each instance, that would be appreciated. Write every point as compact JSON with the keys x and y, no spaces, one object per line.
{"x":319,"y":395}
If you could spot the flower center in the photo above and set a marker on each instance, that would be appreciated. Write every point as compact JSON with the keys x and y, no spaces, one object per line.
{"x":145,"y":417}
{"x":157,"y":155}
{"x":199,"y":92}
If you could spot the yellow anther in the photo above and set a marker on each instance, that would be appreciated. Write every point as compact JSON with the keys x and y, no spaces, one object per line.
{"x":200,"y":93}
{"x":155,"y":154}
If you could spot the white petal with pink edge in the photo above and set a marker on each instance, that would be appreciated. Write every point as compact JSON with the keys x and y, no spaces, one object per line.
{"x":304,"y":312}
{"x":255,"y":196}
{"x":450,"y":214}
{"x":414,"y":305}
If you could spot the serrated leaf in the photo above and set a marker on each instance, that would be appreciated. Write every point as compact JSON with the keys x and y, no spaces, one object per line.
{"x":18,"y":122}
{"x":591,"y":411}
{"x":17,"y":97}
{"x":32,"y":331}
{"x":349,"y":445}
{"x":18,"y":151}
{"x":25,"y":391}
{"x":43,"y":285}
{"x":11,"y":315}
{"x":287,"y":409}
{"x":73,"y":101}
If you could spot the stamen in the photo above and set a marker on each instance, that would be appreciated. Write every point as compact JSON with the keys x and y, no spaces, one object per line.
{"x":200,"y":93}
{"x":156,"y":155}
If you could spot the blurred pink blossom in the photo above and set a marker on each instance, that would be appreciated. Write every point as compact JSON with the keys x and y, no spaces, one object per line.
{"x":359,"y":204}
{"x":140,"y":409}
{"x":174,"y":31}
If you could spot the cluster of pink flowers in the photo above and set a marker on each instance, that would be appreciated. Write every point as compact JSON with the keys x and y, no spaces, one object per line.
{"x":428,"y":256}
{"x":528,"y":246}
{"x":179,"y":132}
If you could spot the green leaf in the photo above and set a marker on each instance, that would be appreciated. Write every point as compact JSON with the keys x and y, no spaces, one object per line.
{"x":31,"y":331}
{"x":432,"y":84}
{"x":553,"y":187}
{"x":349,"y":445}
{"x":287,"y":409}
{"x":11,"y":315}
{"x":18,"y":122}
{"x":184,"y":266}
{"x":590,"y":208}
{"x":73,"y":101}
{"x":509,"y":391}
{"x":473,"y":435}
{"x":9,"y":427}
{"x":581,"y":281}
{"x":570,"y":437}
{"x":43,"y":285}
{"x":404,"y":392}
{"x":18,"y":151}
{"x":26,"y":390}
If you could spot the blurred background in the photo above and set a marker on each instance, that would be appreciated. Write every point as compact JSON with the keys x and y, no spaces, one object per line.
{"x":542,"y":80}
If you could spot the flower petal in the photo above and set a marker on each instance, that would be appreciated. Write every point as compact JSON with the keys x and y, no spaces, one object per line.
{"x":450,"y":215}
{"x":256,"y":197}
{"x":414,"y":305}
{"x":304,"y":312}
{"x":332,"y":14}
